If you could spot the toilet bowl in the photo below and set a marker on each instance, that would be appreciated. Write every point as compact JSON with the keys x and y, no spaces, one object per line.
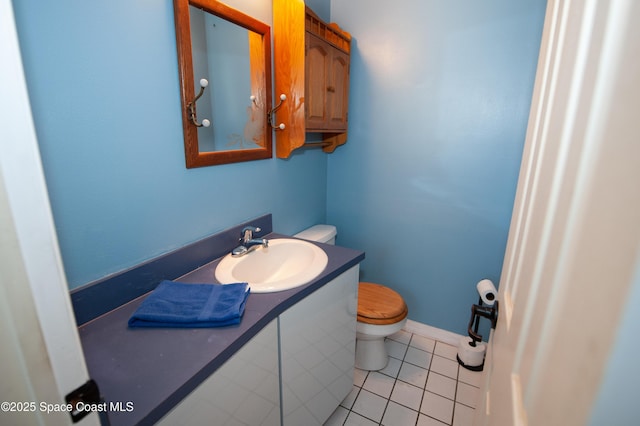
{"x":381,"y":311}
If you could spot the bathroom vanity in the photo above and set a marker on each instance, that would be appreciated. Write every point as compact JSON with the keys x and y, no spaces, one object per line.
{"x":298,"y":343}
{"x":316,"y":337}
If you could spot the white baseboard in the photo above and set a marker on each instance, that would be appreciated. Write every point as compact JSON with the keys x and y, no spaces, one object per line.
{"x":433,"y":332}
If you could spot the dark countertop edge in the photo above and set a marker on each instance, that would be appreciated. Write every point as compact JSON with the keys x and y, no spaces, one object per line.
{"x":340,"y":260}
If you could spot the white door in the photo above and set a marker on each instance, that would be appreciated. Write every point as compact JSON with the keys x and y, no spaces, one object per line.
{"x":42,"y":360}
{"x":575,"y":231}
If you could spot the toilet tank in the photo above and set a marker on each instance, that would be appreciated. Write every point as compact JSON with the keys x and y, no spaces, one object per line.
{"x":319,"y":233}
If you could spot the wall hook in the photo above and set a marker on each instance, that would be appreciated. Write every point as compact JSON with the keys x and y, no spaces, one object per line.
{"x":191,"y":108}
{"x":280,"y":126}
{"x":252,"y":98}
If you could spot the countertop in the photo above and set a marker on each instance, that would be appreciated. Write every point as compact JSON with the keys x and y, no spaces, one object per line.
{"x":155,"y":369}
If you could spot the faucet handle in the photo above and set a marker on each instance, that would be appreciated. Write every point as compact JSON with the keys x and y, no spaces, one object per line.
{"x":250,"y":228}
{"x":247,"y":232}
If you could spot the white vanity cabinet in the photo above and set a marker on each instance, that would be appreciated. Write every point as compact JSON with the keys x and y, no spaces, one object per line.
{"x":313,"y":369}
{"x":317,"y":349}
{"x":244,"y":391}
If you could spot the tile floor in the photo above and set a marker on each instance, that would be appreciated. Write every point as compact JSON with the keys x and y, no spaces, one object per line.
{"x":422,"y":385}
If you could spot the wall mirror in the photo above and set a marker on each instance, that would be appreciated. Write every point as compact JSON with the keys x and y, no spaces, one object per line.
{"x":224,"y":63}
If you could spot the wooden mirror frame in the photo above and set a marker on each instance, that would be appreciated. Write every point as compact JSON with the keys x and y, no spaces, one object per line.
{"x":260,"y":62}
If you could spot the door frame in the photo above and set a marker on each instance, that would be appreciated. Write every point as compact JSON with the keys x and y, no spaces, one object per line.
{"x":41,"y":350}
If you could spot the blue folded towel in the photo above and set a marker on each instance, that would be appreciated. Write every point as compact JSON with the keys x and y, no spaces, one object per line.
{"x":174,"y":304}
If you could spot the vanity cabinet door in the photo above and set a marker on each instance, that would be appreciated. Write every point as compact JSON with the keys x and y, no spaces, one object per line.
{"x":317,"y":349}
{"x":326,"y":86}
{"x":245,"y":390}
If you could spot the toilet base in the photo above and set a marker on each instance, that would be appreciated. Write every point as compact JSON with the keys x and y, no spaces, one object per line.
{"x":371,"y":352}
{"x":371,"y":355}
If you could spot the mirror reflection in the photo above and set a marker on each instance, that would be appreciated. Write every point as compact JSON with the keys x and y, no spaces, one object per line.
{"x":227,"y":53}
{"x":220,"y":51}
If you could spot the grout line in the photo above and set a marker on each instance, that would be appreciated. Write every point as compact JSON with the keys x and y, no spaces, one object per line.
{"x":386,"y":406}
{"x":423,"y":388}
{"x":455,"y":396}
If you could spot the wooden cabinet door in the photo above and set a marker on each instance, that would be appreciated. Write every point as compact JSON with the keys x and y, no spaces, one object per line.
{"x":338,"y":90}
{"x":317,"y":67}
{"x":326,"y":86}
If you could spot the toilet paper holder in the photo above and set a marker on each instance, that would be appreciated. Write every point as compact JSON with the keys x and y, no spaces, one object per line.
{"x":471,"y":351}
{"x":477,"y":311}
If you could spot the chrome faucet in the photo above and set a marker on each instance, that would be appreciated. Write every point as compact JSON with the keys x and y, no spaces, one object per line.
{"x":248,"y":243}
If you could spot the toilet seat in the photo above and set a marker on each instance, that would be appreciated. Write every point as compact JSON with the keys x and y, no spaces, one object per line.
{"x":380,"y":305}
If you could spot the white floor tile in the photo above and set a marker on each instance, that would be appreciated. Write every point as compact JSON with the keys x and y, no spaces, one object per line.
{"x":370,"y":405}
{"x":359,"y":377}
{"x":393,"y":367}
{"x":467,"y":395}
{"x":463,"y":415}
{"x":421,"y":385}
{"x":446,"y":351}
{"x":437,"y":406}
{"x":424,"y":343}
{"x":395,"y":349}
{"x":428,"y":421}
{"x":350,"y":399}
{"x":398,"y":415}
{"x":407,"y":395}
{"x":413,"y":374}
{"x":445,"y":366}
{"x":354,"y":419}
{"x":418,"y":357}
{"x":442,"y":385}
{"x":473,"y":378}
{"x":401,"y":336}
{"x":338,"y":417}
{"x":379,"y":384}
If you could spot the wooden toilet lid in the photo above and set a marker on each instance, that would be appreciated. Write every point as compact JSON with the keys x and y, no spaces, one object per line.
{"x":380,"y":305}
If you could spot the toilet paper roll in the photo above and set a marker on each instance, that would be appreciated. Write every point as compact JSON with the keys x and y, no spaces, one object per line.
{"x":487,"y":292}
{"x":471,"y":356}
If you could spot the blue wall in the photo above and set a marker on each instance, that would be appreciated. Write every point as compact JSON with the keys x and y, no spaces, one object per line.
{"x":439,"y":103}
{"x":103,"y":83}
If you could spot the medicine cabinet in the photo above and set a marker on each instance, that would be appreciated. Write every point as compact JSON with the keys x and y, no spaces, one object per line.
{"x":312,"y":61}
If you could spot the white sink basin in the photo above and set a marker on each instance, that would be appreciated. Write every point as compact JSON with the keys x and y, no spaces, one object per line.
{"x":286,"y":263}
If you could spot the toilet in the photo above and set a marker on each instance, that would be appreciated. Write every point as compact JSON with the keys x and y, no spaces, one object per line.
{"x":381,"y":311}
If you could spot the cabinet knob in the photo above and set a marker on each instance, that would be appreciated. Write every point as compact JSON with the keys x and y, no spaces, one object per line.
{"x":331,"y":89}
